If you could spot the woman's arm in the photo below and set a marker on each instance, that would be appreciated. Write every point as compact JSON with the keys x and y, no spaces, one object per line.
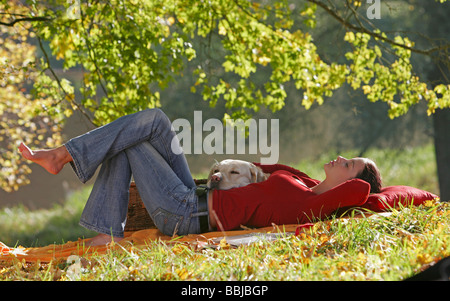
{"x":212,"y":216}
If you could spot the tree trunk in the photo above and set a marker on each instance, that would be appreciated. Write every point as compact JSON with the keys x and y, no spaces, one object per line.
{"x":441,"y":122}
{"x":437,"y":26}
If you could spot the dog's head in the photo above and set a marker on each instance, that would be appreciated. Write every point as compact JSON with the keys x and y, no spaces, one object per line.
{"x":230,"y":173}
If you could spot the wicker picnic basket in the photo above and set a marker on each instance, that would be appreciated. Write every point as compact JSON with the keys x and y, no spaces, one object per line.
{"x":137,"y":215}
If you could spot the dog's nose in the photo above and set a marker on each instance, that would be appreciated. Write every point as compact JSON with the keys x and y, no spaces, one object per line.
{"x":215,"y":178}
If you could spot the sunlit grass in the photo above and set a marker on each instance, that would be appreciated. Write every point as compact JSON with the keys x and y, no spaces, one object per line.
{"x":390,"y":247}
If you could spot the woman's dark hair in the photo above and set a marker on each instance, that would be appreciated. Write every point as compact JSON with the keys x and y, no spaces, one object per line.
{"x":372,"y":175}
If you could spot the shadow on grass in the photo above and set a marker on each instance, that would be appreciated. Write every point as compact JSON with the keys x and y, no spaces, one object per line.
{"x":57,"y":230}
{"x":20,"y":226}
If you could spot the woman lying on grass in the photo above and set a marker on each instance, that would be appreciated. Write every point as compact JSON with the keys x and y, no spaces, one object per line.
{"x":140,"y":144}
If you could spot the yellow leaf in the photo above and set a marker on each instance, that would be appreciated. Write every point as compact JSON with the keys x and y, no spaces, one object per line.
{"x":68,"y":112}
{"x":223,"y":244}
{"x":424,"y":258}
{"x":222,"y":30}
{"x":361,"y":257}
{"x":183,"y":273}
{"x":170,"y":21}
{"x":366,"y":89}
{"x":428,"y":203}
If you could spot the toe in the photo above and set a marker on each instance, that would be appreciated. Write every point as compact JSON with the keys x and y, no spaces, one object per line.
{"x":26,"y":152}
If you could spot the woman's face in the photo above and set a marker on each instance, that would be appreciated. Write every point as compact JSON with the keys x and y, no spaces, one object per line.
{"x":342,"y":169}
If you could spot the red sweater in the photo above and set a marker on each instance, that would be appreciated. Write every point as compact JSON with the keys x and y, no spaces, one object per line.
{"x":284,"y":198}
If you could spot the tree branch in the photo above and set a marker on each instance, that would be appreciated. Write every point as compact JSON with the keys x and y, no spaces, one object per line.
{"x":362,"y":29}
{"x":60,"y":85}
{"x":25,"y":19}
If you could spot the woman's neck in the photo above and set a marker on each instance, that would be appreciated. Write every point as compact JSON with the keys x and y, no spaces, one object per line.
{"x":323,"y":186}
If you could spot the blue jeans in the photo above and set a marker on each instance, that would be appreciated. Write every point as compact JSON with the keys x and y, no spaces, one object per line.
{"x":138,"y":145}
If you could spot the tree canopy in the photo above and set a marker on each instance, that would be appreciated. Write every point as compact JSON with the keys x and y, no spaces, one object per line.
{"x":130,"y":50}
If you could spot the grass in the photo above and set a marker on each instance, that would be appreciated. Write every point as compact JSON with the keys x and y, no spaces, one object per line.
{"x":20,"y":226}
{"x":390,"y":247}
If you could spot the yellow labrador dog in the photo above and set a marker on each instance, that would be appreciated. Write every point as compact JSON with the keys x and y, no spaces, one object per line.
{"x":231,"y":173}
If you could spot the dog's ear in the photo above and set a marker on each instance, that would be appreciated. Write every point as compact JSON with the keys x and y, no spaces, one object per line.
{"x":257,"y":174}
{"x":211,"y":172}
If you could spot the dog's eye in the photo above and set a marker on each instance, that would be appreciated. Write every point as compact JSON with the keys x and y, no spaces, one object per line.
{"x":234,"y":172}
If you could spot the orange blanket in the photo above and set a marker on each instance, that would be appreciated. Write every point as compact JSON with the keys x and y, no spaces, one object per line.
{"x":132,"y":239}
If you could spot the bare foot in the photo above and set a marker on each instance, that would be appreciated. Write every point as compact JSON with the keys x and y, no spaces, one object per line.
{"x":102,"y":239}
{"x":53,"y":160}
